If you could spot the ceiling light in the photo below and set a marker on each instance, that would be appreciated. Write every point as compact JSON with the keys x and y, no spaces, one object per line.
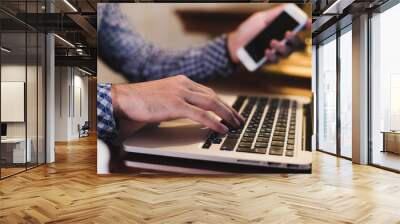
{"x":331,"y":8}
{"x":84,"y":71}
{"x":79,"y":51}
{"x":70,"y":5}
{"x":65,"y":41}
{"x":337,"y":7}
{"x":5,"y":50}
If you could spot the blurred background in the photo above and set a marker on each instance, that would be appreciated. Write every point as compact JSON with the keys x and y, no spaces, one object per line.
{"x":179,"y":26}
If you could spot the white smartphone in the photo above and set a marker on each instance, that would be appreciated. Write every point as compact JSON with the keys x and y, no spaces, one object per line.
{"x":252,"y":55}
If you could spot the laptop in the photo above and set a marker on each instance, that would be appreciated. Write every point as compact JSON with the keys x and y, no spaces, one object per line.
{"x":275,"y":138}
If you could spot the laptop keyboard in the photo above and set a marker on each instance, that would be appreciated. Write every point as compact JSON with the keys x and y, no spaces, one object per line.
{"x":270,"y":127}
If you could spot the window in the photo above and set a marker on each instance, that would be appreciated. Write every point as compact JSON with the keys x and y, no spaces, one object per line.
{"x":327,"y":95}
{"x":385,"y":89}
{"x":346,"y":92}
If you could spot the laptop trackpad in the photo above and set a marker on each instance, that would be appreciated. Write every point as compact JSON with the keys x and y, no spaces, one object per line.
{"x":167,"y":134}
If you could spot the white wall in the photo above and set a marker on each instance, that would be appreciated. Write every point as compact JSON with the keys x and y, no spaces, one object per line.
{"x":82,"y":82}
{"x":68,"y":82}
{"x":78,"y":118}
{"x":61,"y":103}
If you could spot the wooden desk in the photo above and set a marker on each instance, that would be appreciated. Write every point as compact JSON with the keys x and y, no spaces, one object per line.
{"x":391,"y":141}
{"x":244,"y":81}
{"x":13,"y":150}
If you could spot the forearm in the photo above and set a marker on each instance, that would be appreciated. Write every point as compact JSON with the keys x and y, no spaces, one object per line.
{"x":199,"y":64}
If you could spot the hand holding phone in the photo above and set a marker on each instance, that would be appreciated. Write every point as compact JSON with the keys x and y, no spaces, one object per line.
{"x":289,"y":18}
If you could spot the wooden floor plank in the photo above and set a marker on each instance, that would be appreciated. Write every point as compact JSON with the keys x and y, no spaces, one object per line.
{"x":70,"y":191}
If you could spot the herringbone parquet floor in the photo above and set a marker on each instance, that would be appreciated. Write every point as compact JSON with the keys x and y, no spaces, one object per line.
{"x":69,"y":191}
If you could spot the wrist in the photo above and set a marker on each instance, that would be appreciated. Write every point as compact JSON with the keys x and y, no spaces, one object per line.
{"x":114,"y":99}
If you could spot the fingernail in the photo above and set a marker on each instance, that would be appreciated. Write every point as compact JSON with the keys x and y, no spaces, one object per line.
{"x":237,"y":122}
{"x":242,"y":120}
{"x":224,"y":129}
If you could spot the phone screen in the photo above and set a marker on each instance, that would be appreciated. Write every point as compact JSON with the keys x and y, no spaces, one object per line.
{"x":276,"y":30}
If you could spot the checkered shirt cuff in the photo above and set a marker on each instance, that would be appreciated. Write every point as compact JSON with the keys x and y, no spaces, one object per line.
{"x":106,"y":123}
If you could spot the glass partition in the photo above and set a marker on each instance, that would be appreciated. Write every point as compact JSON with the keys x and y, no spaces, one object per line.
{"x":327,"y":95}
{"x":22,"y":88}
{"x":14,"y":153}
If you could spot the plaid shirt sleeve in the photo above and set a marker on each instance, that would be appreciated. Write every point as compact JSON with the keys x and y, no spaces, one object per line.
{"x":123,"y":49}
{"x":106,"y":124}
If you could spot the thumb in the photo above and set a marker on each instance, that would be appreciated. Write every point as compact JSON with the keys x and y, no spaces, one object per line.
{"x":308,"y":24}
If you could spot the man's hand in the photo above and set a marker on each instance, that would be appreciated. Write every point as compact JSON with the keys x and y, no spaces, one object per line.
{"x":172,"y":98}
{"x":256,"y":23}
